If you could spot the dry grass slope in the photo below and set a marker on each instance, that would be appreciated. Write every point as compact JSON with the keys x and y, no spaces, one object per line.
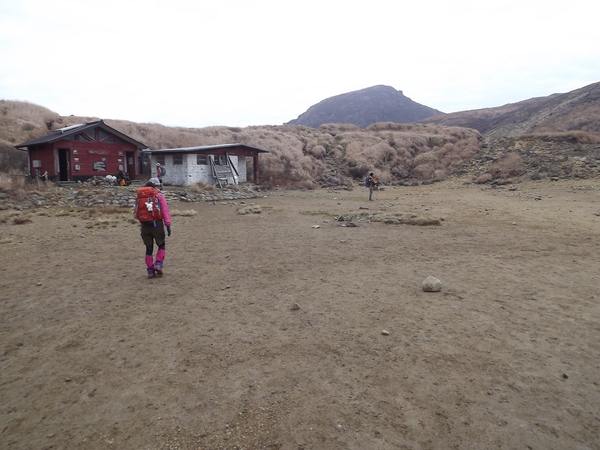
{"x":556,"y":136}
{"x":300,"y":157}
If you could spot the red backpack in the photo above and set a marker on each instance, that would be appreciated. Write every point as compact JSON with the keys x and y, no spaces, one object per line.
{"x":147,"y":206}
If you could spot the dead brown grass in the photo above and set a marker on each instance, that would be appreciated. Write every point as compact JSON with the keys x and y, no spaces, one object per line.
{"x":570,"y":137}
{"x":107,"y":210}
{"x":21,"y":121}
{"x":199,"y":188}
{"x":504,"y":168}
{"x":22,"y":219}
{"x":300,"y":157}
{"x":407,"y":219}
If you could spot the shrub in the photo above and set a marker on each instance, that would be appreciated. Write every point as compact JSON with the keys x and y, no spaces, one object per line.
{"x":308,"y":185}
{"x":184,"y":213}
{"x":423,"y":171}
{"x":425,"y":158}
{"x":439,"y":175}
{"x":334,"y":128}
{"x":200,"y":187}
{"x":484,"y":178}
{"x":357,"y":172}
{"x":508,"y":166}
{"x":20,"y":220}
{"x":318,"y":151}
{"x":12,"y":160}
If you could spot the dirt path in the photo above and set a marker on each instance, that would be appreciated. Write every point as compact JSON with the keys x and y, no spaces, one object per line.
{"x":216,"y":354}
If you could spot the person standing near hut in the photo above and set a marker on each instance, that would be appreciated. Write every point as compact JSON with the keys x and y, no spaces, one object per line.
{"x":160,"y":173}
{"x":372,"y":184}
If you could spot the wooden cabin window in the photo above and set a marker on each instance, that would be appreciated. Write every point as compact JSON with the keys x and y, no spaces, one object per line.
{"x":160,"y":159}
{"x":202,"y":160}
{"x":177,"y":159}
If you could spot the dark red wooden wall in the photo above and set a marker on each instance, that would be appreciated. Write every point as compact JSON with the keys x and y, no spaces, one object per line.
{"x":78,"y":158}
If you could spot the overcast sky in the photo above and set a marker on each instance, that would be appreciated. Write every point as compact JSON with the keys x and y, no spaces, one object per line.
{"x":198,"y":63}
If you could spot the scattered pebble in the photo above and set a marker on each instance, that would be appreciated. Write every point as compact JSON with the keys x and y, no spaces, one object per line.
{"x":385,"y":332}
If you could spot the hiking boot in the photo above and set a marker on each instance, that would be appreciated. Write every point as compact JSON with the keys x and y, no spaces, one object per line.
{"x":151,"y":273}
{"x":158,"y":268}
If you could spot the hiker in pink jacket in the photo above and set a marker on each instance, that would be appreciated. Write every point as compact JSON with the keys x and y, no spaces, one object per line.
{"x":153,"y":213}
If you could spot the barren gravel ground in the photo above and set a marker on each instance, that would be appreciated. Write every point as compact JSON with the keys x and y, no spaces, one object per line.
{"x":216,"y":354}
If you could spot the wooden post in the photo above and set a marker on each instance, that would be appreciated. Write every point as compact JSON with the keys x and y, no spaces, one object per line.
{"x":255,"y":168}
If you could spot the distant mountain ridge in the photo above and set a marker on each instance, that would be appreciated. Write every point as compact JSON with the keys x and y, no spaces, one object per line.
{"x":578,"y":110}
{"x":365,"y":107}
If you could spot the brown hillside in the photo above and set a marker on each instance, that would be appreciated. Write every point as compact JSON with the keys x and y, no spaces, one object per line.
{"x":482,"y":120}
{"x":556,"y":136}
{"x":578,"y":110}
{"x":299,"y":157}
{"x":548,"y":137}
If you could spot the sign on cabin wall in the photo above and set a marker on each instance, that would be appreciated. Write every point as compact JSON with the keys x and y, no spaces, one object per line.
{"x":99,"y":166}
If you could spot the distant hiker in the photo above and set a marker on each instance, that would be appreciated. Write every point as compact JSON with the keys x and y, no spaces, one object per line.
{"x":372,"y":184}
{"x":127,"y":179}
{"x":160,"y":173}
{"x":152,"y":211}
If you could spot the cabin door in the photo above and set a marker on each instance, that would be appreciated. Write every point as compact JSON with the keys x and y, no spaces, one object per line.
{"x":129,"y":164}
{"x":63,"y":164}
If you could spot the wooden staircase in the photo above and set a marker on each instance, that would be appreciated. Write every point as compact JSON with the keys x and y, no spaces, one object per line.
{"x":223,"y":173}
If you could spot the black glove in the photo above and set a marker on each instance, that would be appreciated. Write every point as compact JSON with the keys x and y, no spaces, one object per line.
{"x":168,"y":230}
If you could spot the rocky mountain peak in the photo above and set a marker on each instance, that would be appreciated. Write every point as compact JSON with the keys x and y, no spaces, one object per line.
{"x":365,"y":107}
